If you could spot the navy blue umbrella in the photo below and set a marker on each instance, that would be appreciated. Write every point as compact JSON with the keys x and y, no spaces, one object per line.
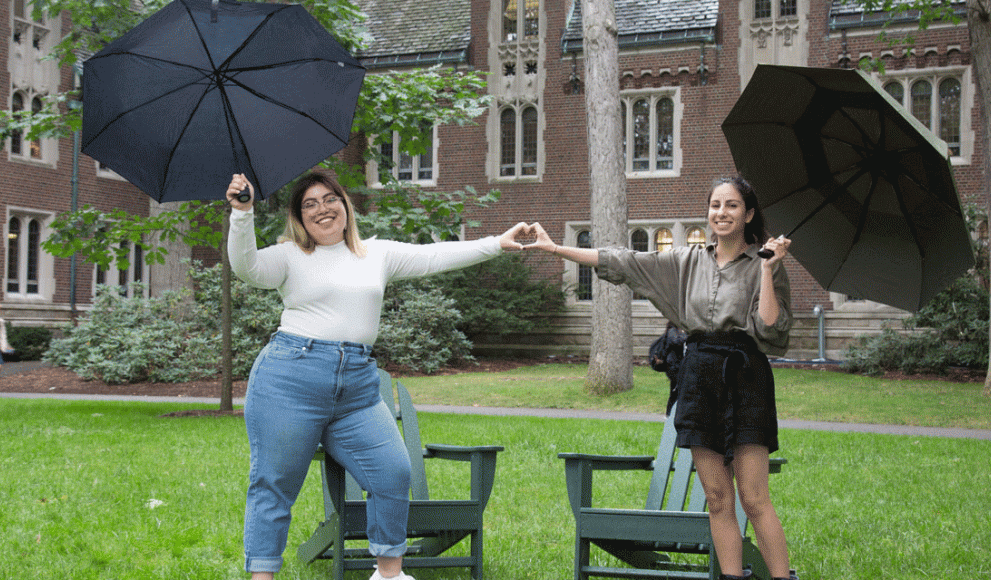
{"x":200,"y":91}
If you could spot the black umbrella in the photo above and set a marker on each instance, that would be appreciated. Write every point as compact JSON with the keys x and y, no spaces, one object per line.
{"x":864,"y":190}
{"x":198,"y":92}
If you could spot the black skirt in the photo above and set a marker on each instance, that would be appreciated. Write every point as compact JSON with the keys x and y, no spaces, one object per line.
{"x":725,"y":394}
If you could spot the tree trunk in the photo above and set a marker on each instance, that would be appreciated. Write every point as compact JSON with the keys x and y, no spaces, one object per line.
{"x":610,"y":364}
{"x":226,"y":354}
{"x":979,"y":25}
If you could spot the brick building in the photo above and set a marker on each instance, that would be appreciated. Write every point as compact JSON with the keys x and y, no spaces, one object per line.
{"x":37,"y":183}
{"x":683,"y":64}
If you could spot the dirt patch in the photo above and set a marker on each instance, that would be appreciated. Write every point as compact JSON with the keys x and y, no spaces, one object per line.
{"x":61,"y":381}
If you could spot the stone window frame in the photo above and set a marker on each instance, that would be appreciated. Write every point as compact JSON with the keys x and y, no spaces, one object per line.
{"x":653,"y":96}
{"x":44,"y":265}
{"x":572,"y":229}
{"x":373,"y":178}
{"x":138,"y":272}
{"x":908,"y":77}
{"x":36,"y":39}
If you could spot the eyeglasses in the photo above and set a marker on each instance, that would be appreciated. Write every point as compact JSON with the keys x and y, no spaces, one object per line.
{"x":328,"y":200}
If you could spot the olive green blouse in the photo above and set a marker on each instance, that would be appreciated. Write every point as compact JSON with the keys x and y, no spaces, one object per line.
{"x":695,"y":294}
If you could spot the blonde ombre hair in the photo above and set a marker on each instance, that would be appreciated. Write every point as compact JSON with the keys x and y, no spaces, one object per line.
{"x":295,"y":230}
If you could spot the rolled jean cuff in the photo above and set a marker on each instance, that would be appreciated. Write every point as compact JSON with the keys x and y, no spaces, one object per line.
{"x":384,"y":551}
{"x":262,"y":564}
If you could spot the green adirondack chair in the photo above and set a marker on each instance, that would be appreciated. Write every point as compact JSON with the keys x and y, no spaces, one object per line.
{"x":644,"y":539}
{"x":434,"y":525}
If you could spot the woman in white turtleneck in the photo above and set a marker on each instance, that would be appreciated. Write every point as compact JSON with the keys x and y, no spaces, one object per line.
{"x":315,"y":382}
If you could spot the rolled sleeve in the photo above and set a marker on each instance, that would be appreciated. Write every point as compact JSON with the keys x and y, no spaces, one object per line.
{"x":774,"y":338}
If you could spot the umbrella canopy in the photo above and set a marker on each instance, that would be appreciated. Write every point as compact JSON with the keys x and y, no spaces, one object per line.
{"x":198,"y":92}
{"x":864,"y":190}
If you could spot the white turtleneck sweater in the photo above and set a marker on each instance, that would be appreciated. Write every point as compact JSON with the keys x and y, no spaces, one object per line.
{"x":331,"y":294}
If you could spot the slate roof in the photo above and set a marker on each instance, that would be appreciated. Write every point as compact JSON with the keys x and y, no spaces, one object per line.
{"x":851,"y":14}
{"x":435,"y":30}
{"x":643,"y":22}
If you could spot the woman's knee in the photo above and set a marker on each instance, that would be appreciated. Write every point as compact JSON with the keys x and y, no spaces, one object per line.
{"x":755,"y":501}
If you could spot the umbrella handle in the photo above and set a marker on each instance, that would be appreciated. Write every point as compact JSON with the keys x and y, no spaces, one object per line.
{"x":763,"y":252}
{"x":244,"y":196}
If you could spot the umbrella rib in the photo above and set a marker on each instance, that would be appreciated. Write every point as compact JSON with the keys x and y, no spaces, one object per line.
{"x":135,"y":108}
{"x":189,"y":120}
{"x":251,"y":36}
{"x":829,"y":200}
{"x":282,"y":64}
{"x":286,"y":107}
{"x":232,"y":120}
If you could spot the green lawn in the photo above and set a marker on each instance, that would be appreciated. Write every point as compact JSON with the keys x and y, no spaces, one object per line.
{"x":801,"y":394}
{"x":108,"y":490}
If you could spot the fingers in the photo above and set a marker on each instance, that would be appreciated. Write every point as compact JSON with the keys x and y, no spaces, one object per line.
{"x":240,"y":192}
{"x":778,"y":247}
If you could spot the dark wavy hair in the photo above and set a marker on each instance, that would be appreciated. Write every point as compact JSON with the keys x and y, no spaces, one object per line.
{"x":754,"y":232}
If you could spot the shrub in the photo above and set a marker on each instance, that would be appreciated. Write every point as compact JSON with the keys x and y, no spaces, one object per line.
{"x":127,"y":340}
{"x":498,"y":297}
{"x":166,"y":338}
{"x":951,"y":330}
{"x":419,"y":329}
{"x":892,"y":351}
{"x":29,"y":342}
{"x":255,"y":315}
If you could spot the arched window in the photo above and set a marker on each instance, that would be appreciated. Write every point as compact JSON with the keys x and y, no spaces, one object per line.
{"x":36,"y":144}
{"x":128,"y":278}
{"x":622,"y":127}
{"x":13,"y":255}
{"x":584,"y":291}
{"x":648,"y":124}
{"x":695,"y":237}
{"x":518,"y":141}
{"x":639,"y":240}
{"x":665,"y":133}
{"x":507,"y":124}
{"x":897,"y":92}
{"x":16,"y":137}
{"x":641,"y":135}
{"x":34,"y":246}
{"x":529,"y":141}
{"x":922,"y":93}
{"x":949,"y":114}
{"x":23,"y":255}
{"x":520,"y":19}
{"x":762,"y":8}
{"x":664,"y":240}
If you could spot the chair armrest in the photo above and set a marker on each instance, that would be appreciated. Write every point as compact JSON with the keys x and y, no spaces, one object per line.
{"x":775,"y":464}
{"x":578,"y":468}
{"x":483,"y":465}
{"x":458,"y":452}
{"x":610,"y":462}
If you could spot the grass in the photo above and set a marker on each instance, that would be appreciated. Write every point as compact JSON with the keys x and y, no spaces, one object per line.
{"x":112,"y":491}
{"x":801,"y":394}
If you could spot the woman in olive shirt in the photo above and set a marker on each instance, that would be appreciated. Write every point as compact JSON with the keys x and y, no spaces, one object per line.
{"x":736,"y":308}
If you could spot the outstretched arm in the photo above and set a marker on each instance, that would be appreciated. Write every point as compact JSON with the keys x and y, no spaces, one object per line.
{"x":585,"y":256}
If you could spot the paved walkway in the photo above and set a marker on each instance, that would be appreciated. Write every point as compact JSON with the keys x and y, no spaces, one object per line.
{"x":985,"y":434}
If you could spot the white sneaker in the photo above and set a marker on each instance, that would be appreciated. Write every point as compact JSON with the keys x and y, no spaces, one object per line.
{"x":377,"y":576}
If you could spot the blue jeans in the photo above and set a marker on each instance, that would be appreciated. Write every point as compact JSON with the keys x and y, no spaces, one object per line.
{"x":302,"y":392}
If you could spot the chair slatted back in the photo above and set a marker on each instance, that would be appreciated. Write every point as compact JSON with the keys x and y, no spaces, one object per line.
{"x":399,"y":402}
